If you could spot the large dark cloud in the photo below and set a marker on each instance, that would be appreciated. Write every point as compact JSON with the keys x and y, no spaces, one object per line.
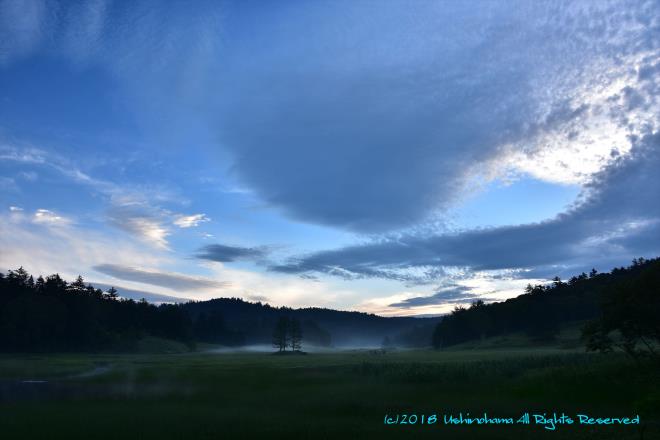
{"x":164,"y":279}
{"x":618,"y":219}
{"x":225,"y":254}
{"x":380,"y":116}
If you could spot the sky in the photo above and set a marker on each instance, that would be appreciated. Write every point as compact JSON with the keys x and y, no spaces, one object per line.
{"x":397,"y":157}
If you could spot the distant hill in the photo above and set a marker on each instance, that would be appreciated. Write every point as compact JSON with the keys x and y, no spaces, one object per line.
{"x":543,"y":310}
{"x":253,"y":323}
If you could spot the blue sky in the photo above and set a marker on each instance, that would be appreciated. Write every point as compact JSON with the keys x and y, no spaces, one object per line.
{"x":398,"y":158}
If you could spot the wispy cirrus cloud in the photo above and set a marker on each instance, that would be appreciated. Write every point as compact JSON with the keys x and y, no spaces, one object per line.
{"x":134,"y":209}
{"x":48,"y":217}
{"x":190,"y":221}
{"x":39,"y":246}
{"x":170,"y":280}
{"x":148,"y":228}
{"x":8,"y":184}
{"x":23,"y":25}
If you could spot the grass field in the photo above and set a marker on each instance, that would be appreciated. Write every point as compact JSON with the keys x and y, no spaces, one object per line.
{"x":324,"y":395}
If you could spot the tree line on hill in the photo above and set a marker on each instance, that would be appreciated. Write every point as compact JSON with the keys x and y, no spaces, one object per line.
{"x":622,"y":309}
{"x":51,"y":314}
{"x":630,"y":314}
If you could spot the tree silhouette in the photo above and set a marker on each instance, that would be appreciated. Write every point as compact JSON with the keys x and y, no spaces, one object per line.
{"x":39,"y":284}
{"x":629,"y":319}
{"x":295,"y":334}
{"x":627,"y":298}
{"x":78,"y":284}
{"x":281,"y":333}
{"x":52,"y":315}
{"x":112,"y":293}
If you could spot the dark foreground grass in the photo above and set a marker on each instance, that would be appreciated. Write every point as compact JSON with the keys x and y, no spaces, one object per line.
{"x":329,"y":395}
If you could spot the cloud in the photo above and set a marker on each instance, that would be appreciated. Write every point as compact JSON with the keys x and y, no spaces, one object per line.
{"x":40,"y":247}
{"x":170,"y":280}
{"x":22,"y":25}
{"x":47,"y":217}
{"x":225,"y":254}
{"x":383,"y":117}
{"x":8,"y":184}
{"x":377,"y":130}
{"x":30,"y":176}
{"x":154,"y":298}
{"x":125,"y":262}
{"x":450,"y":294}
{"x":84,"y":25}
{"x":133,"y":209}
{"x":22,"y":155}
{"x":137,"y":215}
{"x":619,"y":216}
{"x":280,"y":290}
{"x":258,"y":298}
{"x":15,"y":209}
{"x":190,"y":221}
{"x":148,"y":227}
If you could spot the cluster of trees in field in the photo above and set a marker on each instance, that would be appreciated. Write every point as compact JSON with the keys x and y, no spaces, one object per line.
{"x":287,"y":333}
{"x":623,"y":307}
